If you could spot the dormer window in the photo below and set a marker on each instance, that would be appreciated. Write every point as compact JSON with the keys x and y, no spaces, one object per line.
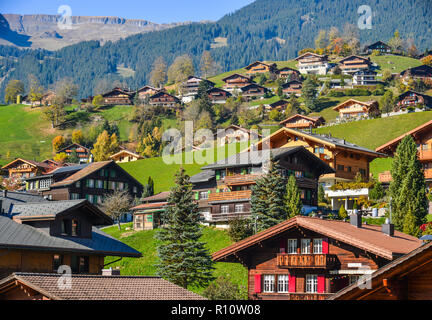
{"x":70,"y":227}
{"x":75,"y":228}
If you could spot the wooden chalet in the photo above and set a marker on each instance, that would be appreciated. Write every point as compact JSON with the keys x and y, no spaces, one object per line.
{"x":312,"y":63}
{"x":422,"y":135}
{"x":118,"y":96}
{"x":311,"y":258}
{"x":147,"y":215}
{"x":379,"y":46}
{"x":39,"y":286}
{"x":147,"y":91}
{"x":352,"y":108}
{"x":93,"y":182}
{"x":354,"y":63}
{"x":280,"y":105}
{"x":125,"y":155}
{"x":253,"y":91}
{"x":164,"y":99}
{"x":406,"y":278}
{"x":293,"y":86}
{"x":347,"y":159}
{"x":83,"y":153}
{"x":300,"y":121}
{"x":22,"y":168}
{"x":259,"y":67}
{"x":42,"y":236}
{"x":223,"y":189}
{"x":364,"y":77}
{"x":423,"y":72}
{"x":236,"y":81}
{"x":233,"y":134}
{"x":191,"y":85}
{"x":288,"y":73}
{"x":218,"y":95}
{"x":412,"y":99}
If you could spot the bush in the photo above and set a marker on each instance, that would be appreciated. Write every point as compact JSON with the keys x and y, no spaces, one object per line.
{"x":240,"y":229}
{"x":343,"y":214}
{"x":378,"y":92}
{"x":223,"y":289}
{"x":334,"y":93}
{"x":357,"y":92}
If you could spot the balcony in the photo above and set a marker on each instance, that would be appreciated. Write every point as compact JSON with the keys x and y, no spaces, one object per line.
{"x":385,"y":177}
{"x":228,"y":196}
{"x":309,"y":296}
{"x":222,"y":217}
{"x":425,"y":155}
{"x":428,"y":173}
{"x":285,"y":260}
{"x":241,"y":179}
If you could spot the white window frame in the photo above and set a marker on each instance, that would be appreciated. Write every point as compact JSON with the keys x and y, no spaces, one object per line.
{"x":269,"y":283}
{"x":203,"y":195}
{"x":292,"y":246}
{"x":100,"y":184}
{"x":311,"y":283}
{"x":317,"y":246}
{"x":305,"y":249}
{"x":283,"y":283}
{"x":223,"y":207}
{"x":237,"y":206}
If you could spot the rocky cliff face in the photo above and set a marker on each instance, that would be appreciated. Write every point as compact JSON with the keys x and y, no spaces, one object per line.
{"x":48,"y":31}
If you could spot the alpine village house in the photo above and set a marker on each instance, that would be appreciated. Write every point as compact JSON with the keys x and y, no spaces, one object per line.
{"x":306,"y":258}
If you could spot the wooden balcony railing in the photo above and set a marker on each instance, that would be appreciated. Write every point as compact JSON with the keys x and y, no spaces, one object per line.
{"x":241,"y":179}
{"x":385,"y":177}
{"x":428,"y":173}
{"x":233,"y":195}
{"x":305,"y":260}
{"x":425,"y":155}
{"x":218,"y":217}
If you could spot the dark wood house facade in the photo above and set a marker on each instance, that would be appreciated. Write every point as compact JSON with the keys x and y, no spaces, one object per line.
{"x":236,"y":81}
{"x":164,"y":99}
{"x":118,"y":96}
{"x":218,"y":95}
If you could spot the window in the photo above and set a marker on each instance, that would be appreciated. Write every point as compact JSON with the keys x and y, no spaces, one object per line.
{"x":340,"y":167}
{"x":90,"y":183}
{"x":292,"y":246}
{"x":269,"y":282}
{"x":75,"y":228}
{"x":311,"y":283}
{"x":353,"y":279}
{"x":80,"y":264}
{"x":74,"y":196}
{"x":121,"y":186}
{"x":225,"y":208}
{"x":65,"y":226}
{"x":317,"y":246}
{"x":305,"y":246}
{"x":135,"y":190}
{"x":57,"y":262}
{"x":203,"y":195}
{"x":99,"y":199}
{"x":100,"y":184}
{"x":282,"y":283}
{"x":45,"y":183}
{"x":238,"y":208}
{"x":112,"y":173}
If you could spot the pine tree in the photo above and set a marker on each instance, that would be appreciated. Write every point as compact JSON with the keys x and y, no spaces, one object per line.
{"x":410,"y":224}
{"x":268,"y":198}
{"x":293,"y":201}
{"x":408,"y":186}
{"x":183,"y":258}
{"x":343,"y":214}
{"x":309,"y":92}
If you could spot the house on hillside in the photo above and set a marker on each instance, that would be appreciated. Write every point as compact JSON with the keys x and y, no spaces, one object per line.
{"x":379,"y":46}
{"x":253,"y":91}
{"x":164,"y":99}
{"x":353,"y":64}
{"x":146,"y":92}
{"x":345,"y":158}
{"x":413,"y":99}
{"x":422,"y":135}
{"x":125,"y":155}
{"x":280,"y":105}
{"x":311,"y":258}
{"x":423,"y":72}
{"x":312,"y":63}
{"x":190,"y":86}
{"x":83,"y":153}
{"x":41,"y":237}
{"x":236,"y":81}
{"x":22,"y":168}
{"x":364,"y":77}
{"x":233,"y":134}
{"x":118,"y":96}
{"x":39,"y":286}
{"x":406,"y":278}
{"x":218,"y":95}
{"x":357,"y":109}
{"x":93,"y":182}
{"x":288,"y":73}
{"x":259,"y":67}
{"x":300,"y":121}
{"x":147,"y":215}
{"x":294,"y":86}
{"x":223,"y":189}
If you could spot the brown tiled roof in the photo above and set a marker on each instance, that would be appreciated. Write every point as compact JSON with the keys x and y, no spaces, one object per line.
{"x":301,"y":116}
{"x":161,"y":196}
{"x":150,"y":205}
{"x":367,"y":104}
{"x":32,"y":162}
{"x":96,"y":287}
{"x":81,"y":174}
{"x":368,"y":237}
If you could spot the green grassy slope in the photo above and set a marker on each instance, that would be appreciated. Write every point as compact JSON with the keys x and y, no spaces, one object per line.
{"x":394,"y":63}
{"x":144,"y":242}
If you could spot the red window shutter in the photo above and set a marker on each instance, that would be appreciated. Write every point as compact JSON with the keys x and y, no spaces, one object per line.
{"x":321,"y":284}
{"x":325,"y":246}
{"x":282,"y":246}
{"x":257,"y":283}
{"x":292,"y":283}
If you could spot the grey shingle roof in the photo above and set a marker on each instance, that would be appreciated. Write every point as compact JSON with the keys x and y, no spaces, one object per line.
{"x":14,"y":197}
{"x":49,"y":208}
{"x":22,"y":236}
{"x":203,"y":176}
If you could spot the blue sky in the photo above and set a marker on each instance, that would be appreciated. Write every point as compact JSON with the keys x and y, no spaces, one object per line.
{"x":159,"y":11}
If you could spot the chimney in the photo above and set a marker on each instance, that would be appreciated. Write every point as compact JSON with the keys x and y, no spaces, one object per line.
{"x":388,"y":228}
{"x":110,"y":272}
{"x":5,"y":193}
{"x":356,"y":219}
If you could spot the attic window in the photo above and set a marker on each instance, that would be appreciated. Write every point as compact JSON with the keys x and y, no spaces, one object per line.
{"x":75,"y":228}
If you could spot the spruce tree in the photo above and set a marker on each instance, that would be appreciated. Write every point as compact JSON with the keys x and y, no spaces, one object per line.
{"x":410,"y":225}
{"x":183,"y":258}
{"x":293,"y":201}
{"x":408,"y":187}
{"x":268,"y":198}
{"x":309,"y":92}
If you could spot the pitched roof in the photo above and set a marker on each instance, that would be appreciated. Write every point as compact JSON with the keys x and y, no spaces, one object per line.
{"x":203,"y":176}
{"x":313,"y":54}
{"x":260,"y":62}
{"x":402,"y":265}
{"x":367,"y":104}
{"x":97,"y":287}
{"x":236,"y":75}
{"x":10,"y":198}
{"x":377,"y":43}
{"x":15,"y":235}
{"x":74,"y":145}
{"x":354,"y":56}
{"x":420,"y":71}
{"x":128,"y":152}
{"x":31,"y":162}
{"x":427,"y":99}
{"x":368,"y":237}
{"x":161,"y":196}
{"x":149,"y":205}
{"x":424,"y":127}
{"x":313,"y":119}
{"x":253,"y":85}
